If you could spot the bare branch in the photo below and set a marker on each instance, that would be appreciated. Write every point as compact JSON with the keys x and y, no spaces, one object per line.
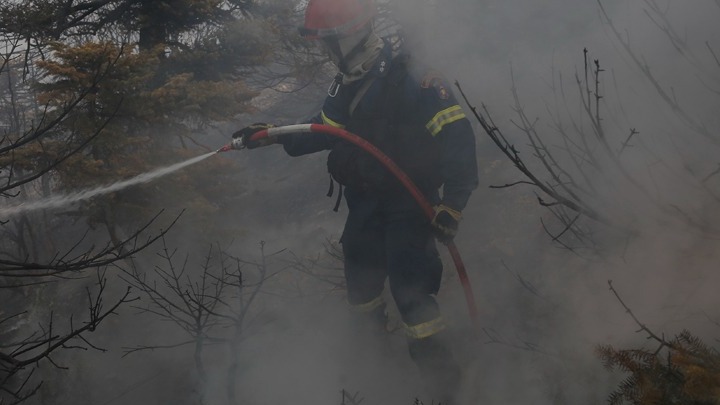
{"x":643,"y":327}
{"x":509,"y":150}
{"x":86,"y":259}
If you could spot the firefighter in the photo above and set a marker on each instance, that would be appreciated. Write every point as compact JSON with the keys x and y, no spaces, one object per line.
{"x":410,"y":113}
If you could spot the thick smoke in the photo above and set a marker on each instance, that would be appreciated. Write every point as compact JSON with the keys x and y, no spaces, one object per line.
{"x":546,"y":308}
{"x":543,"y":308}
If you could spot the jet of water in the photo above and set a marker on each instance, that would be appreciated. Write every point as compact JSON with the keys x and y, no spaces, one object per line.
{"x":63,"y":200}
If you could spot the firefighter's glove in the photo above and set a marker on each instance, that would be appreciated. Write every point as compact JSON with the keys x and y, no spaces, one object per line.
{"x":242,"y":137}
{"x":445,"y":223}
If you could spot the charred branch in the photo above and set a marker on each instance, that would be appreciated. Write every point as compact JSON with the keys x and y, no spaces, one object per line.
{"x":70,"y":261}
{"x":664,"y":94}
{"x":568,"y":174}
{"x":513,"y":155}
{"x":203,"y":304}
{"x":20,"y":358}
{"x":626,"y":143}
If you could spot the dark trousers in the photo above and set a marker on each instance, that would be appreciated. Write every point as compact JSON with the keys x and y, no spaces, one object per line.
{"x":386,"y":236}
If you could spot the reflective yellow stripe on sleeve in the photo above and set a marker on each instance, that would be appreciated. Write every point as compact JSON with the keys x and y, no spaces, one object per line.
{"x":425,"y":329}
{"x":444,"y":117}
{"x":368,"y":306}
{"x":328,"y":121}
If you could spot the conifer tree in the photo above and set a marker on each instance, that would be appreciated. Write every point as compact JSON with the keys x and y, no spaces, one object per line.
{"x":94,"y":92}
{"x":683,"y":370}
{"x":164,"y":70}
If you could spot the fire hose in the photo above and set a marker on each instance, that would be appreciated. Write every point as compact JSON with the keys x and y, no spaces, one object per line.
{"x":275,"y":132}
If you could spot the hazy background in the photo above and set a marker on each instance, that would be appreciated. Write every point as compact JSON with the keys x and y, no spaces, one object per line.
{"x":544,"y":309}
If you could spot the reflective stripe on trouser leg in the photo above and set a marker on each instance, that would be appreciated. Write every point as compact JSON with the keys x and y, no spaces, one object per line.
{"x":371,"y":315}
{"x":367,"y":307}
{"x":425,"y":329}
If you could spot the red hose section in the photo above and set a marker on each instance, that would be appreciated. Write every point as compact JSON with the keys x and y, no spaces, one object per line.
{"x":417,"y":195}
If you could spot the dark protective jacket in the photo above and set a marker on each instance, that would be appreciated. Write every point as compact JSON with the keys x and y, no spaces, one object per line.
{"x":409,"y":113}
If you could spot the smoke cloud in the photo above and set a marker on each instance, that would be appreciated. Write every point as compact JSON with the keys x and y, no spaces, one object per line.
{"x":543,"y":308}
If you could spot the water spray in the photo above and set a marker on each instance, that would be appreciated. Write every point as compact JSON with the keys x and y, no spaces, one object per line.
{"x":63,"y":200}
{"x":427,"y":208}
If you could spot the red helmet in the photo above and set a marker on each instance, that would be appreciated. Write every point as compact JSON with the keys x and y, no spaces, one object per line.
{"x":336,"y":18}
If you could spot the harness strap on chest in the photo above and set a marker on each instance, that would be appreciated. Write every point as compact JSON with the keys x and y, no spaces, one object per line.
{"x":360,"y":94}
{"x":392,"y":91}
{"x":390,"y":101}
{"x":331,"y":190}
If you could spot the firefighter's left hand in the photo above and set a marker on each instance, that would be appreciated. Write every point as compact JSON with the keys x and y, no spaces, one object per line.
{"x":445,"y":223}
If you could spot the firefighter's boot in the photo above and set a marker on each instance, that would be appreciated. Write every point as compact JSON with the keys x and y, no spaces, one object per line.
{"x":438,"y":367}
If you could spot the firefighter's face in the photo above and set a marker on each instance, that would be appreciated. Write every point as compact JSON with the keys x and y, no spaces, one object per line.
{"x":332,"y":49}
{"x":339,"y":48}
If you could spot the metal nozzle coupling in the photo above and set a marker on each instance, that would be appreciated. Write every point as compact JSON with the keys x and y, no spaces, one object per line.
{"x":237,"y":143}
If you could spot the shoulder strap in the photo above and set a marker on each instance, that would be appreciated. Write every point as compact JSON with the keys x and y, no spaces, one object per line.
{"x":394,"y":79}
{"x":360,"y":94}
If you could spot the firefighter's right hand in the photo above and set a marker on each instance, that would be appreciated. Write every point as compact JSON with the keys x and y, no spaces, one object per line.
{"x":243,"y":136}
{"x":445,"y":223}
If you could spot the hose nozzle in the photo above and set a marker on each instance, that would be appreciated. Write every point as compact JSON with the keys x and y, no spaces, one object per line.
{"x":225,"y":148}
{"x":234,"y":145}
